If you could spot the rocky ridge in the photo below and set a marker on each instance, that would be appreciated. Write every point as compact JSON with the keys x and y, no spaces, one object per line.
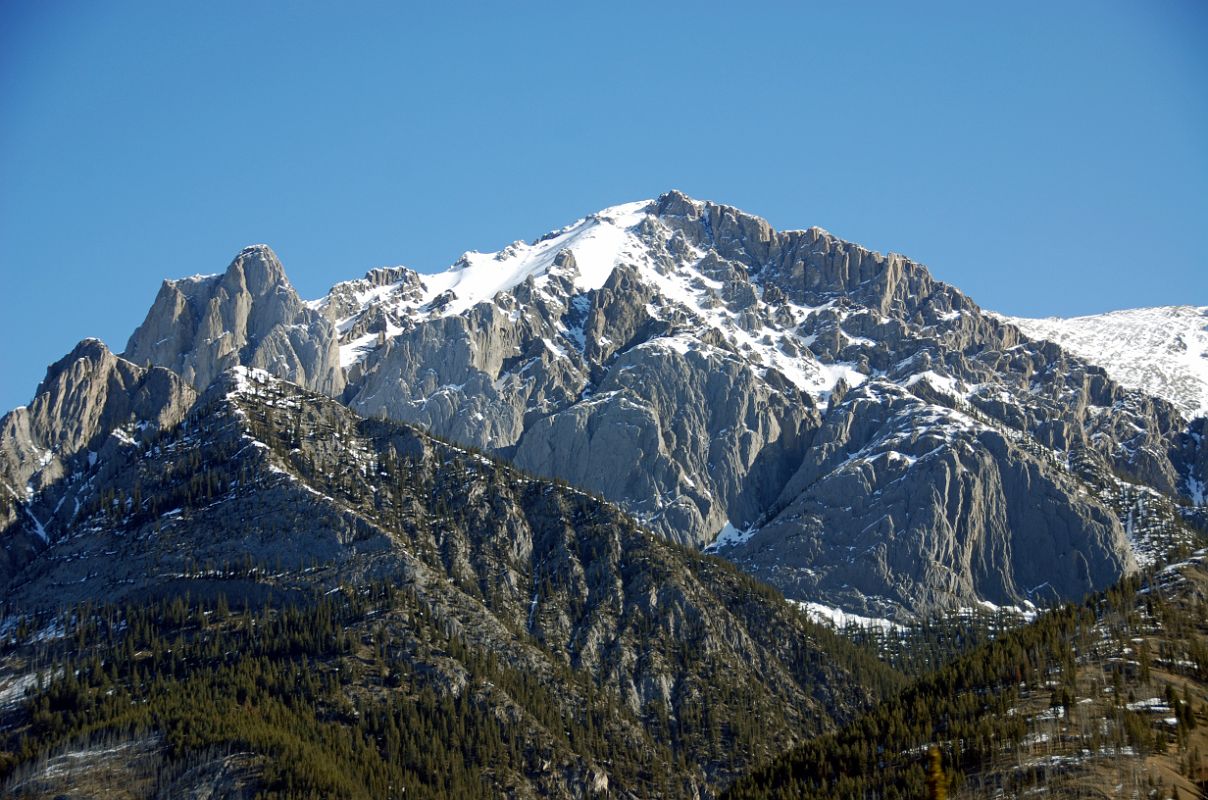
{"x":721,"y":356}
{"x":90,"y":407}
{"x":266,"y":493}
{"x":832,"y":419}
{"x":248,"y":316}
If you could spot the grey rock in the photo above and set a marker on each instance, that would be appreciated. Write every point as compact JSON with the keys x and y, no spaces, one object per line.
{"x":90,"y":404}
{"x":250,"y":316}
{"x":690,"y":378}
{"x":892,"y":511}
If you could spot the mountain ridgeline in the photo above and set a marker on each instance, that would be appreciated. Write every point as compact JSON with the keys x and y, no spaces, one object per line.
{"x":440,"y":535}
{"x":509,"y":597}
{"x":833,"y":420}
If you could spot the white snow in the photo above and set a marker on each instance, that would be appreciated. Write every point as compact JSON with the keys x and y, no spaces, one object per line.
{"x":942,"y":383}
{"x":596,"y":241}
{"x":246,"y":378}
{"x":356,"y":350}
{"x":39,"y":528}
{"x":840,"y":619}
{"x":13,"y":689}
{"x":70,"y":763}
{"x":1161,"y":350}
{"x":729,"y":536}
{"x":532,"y":610}
{"x":1028,"y":613}
{"x":1154,"y":705}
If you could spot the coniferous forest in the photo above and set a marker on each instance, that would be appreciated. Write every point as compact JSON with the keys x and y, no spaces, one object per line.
{"x":449,"y":434}
{"x":444,"y":625}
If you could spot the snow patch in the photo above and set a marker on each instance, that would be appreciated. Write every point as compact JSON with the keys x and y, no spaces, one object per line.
{"x":729,"y":536}
{"x":596,"y":241}
{"x":840,"y":619}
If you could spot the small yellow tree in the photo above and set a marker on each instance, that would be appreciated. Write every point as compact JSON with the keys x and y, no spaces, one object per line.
{"x":937,"y":785}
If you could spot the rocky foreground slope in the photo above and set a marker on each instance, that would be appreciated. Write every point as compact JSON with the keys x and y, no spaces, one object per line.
{"x":833,"y":420}
{"x":460,"y":585}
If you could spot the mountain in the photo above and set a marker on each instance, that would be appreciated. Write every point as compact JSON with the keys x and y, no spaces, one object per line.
{"x":442,"y":534}
{"x":248,"y":316}
{"x":835,"y":421}
{"x":90,"y":407}
{"x":1161,"y":351}
{"x":458,"y":584}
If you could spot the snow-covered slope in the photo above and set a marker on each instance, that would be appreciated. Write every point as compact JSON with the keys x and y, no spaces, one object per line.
{"x":597,"y":242}
{"x":584,"y":253}
{"x":1162,"y":351}
{"x":882,"y":444}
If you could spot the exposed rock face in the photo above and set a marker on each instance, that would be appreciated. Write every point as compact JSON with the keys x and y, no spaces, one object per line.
{"x":589,"y":369}
{"x":691,"y":363}
{"x":90,"y":404}
{"x":711,"y":374}
{"x":656,"y":432}
{"x":893,"y":508}
{"x":264,"y":490}
{"x":250,"y":316}
{"x":84,"y":397}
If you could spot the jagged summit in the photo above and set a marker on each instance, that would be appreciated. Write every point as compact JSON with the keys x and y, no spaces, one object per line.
{"x":694,"y":253}
{"x":858,"y":433}
{"x":694,"y":340}
{"x":90,"y":405}
{"x":249,"y":315}
{"x":597,"y":242}
{"x":257,"y":268}
{"x":92,"y":350}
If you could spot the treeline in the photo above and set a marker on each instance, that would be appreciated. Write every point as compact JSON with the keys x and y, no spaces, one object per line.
{"x":325,"y":719}
{"x":970,"y":707}
{"x":923,"y":647}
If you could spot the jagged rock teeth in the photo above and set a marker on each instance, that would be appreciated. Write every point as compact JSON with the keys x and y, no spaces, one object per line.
{"x":249,"y":315}
{"x":90,"y":403}
{"x":880,"y":439}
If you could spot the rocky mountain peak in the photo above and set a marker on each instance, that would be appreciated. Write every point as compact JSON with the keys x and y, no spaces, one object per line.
{"x":91,"y":392}
{"x":91,"y":404}
{"x":710,"y":374}
{"x":643,"y":317}
{"x":257,"y":269}
{"x":249,"y":315}
{"x":93,"y":352}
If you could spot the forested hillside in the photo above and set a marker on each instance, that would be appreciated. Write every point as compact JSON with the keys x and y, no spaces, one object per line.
{"x":283,"y":595}
{"x":1103,"y":699}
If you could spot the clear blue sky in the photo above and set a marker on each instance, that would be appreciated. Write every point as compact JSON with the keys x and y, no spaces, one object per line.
{"x":1047,"y":158}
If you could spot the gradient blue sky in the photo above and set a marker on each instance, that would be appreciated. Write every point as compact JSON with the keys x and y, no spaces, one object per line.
{"x":1047,"y":158}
